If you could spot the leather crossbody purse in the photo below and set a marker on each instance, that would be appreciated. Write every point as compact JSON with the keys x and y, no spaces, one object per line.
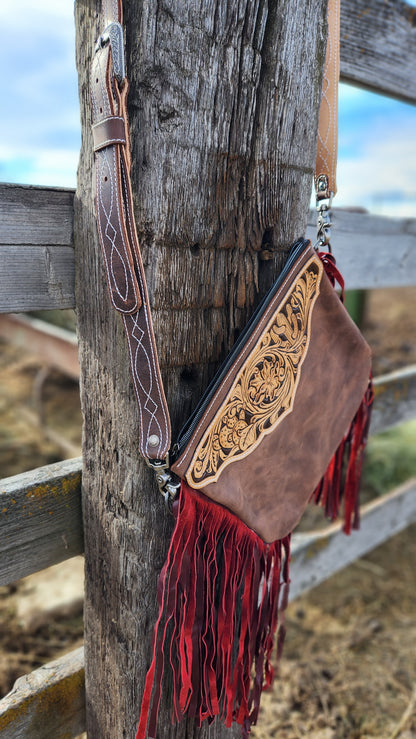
{"x":284,"y":421}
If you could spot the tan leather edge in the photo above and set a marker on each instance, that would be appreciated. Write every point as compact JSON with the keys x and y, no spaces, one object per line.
{"x":327,"y":145}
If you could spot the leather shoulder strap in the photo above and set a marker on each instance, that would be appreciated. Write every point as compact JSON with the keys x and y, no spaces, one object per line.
{"x":117,"y":231}
{"x":327,"y":147}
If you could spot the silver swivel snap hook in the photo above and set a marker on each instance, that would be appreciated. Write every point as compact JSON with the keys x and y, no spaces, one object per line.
{"x":323,"y":207}
{"x":166,"y":484}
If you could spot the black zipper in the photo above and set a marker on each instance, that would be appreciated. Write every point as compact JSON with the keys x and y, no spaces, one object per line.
{"x":193,"y":420}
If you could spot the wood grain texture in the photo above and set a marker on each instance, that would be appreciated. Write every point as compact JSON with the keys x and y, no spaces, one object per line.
{"x":36,"y":278}
{"x":40,"y":519}
{"x":317,"y":556}
{"x":36,"y":215}
{"x":49,"y":703}
{"x":223,"y":112}
{"x":36,"y":248}
{"x":378,"y":46}
{"x":53,"y":346}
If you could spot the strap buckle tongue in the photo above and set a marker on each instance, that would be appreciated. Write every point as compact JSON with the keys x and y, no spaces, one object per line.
{"x":114,"y":36}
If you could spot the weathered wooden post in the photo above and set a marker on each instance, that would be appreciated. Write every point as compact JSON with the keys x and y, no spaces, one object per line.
{"x":223,"y":112}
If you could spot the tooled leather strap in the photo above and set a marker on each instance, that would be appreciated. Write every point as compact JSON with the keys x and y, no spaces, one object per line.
{"x":117,"y":231}
{"x":327,"y":148}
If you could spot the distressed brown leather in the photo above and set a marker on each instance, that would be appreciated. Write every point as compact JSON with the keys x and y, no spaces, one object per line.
{"x":270,"y":488}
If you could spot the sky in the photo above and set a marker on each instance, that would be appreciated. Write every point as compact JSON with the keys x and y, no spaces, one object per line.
{"x":40,"y":128}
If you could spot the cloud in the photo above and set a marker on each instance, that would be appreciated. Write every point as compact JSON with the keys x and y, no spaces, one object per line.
{"x":381,"y":174}
{"x":56,"y":167}
{"x":41,"y":122}
{"x":42,"y":14}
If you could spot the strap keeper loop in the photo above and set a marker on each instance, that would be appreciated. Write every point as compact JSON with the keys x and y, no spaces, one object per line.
{"x":108,"y":132}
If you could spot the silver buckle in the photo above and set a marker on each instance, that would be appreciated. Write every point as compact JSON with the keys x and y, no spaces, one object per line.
{"x":114,"y":36}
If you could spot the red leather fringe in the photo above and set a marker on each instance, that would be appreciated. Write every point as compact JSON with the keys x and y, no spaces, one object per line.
{"x":343,"y":475}
{"x":332,"y":271}
{"x":220,"y":593}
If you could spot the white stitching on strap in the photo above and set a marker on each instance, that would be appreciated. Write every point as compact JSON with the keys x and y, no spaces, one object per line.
{"x":151,"y":340}
{"x":108,"y":142}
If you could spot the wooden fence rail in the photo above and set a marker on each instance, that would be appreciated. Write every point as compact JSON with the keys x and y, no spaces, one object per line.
{"x":41,"y":263}
{"x":40,"y":519}
{"x":49,"y":703}
{"x":378,"y":49}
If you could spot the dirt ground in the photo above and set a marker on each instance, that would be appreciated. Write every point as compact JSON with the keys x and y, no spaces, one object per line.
{"x":349,"y":665}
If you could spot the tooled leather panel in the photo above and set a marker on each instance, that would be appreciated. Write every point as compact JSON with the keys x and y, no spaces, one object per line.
{"x":181,"y":465}
{"x":264,"y":391}
{"x":289,"y":463}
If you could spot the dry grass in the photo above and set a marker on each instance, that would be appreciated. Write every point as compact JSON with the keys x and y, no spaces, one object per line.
{"x":349,"y":666}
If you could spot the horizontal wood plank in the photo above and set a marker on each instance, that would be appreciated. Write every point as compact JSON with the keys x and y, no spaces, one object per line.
{"x":52,"y":345}
{"x":317,"y":556}
{"x":40,"y":519}
{"x":36,"y":278}
{"x":36,"y":248}
{"x":371,"y":251}
{"x":49,"y":703}
{"x":378,"y":46}
{"x":37,"y":216}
